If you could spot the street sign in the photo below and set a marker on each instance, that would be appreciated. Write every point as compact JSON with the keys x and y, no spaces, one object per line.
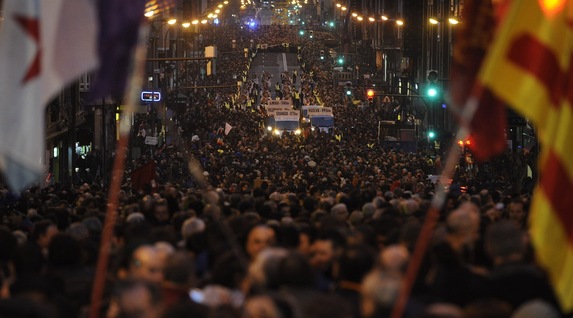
{"x":181,"y":99}
{"x":150,"y":96}
{"x":151,"y":140}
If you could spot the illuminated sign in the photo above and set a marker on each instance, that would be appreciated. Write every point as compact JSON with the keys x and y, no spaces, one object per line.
{"x":150,"y":96}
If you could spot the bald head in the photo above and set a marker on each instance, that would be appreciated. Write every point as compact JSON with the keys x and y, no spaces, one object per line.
{"x":191,"y":226}
{"x":463,"y":219}
{"x":463,"y":223}
{"x":147,"y":264}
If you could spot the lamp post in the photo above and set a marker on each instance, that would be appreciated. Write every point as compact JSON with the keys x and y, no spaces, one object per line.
{"x":442,"y":18}
{"x":159,"y":79}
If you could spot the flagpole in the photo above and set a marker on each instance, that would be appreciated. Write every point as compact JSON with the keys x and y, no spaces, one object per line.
{"x":429,"y":223}
{"x":134,"y":83}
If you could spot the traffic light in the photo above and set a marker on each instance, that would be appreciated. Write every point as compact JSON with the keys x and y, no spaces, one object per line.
{"x":465,"y":143}
{"x":340,"y":60}
{"x":370,"y":95}
{"x":348,"y":89}
{"x":432,"y":91}
{"x":432,"y":88}
{"x":301,"y":32}
{"x":322,"y":54}
{"x":431,"y":133}
{"x":331,"y":24}
{"x":311,"y":33}
{"x":432,"y":76}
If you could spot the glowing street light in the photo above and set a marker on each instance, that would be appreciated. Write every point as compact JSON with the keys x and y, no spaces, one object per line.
{"x":149,"y":13}
{"x":385,"y":18}
{"x":453,"y":21}
{"x":359,"y":18}
{"x":371,"y":19}
{"x":186,"y":24}
{"x":172,"y":21}
{"x":195,"y":22}
{"x":400,"y":22}
{"x":354,"y":14}
{"x":343,"y":8}
{"x":434,"y":21}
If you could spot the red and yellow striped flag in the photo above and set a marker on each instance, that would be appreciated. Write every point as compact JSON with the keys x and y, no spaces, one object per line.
{"x":530,"y":67}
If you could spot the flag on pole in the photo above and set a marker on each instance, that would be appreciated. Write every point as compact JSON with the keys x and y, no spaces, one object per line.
{"x":44,"y":45}
{"x":530,"y":67}
{"x":486,"y":121}
{"x":227,"y":128}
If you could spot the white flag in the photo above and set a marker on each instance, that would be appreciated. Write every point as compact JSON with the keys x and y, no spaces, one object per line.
{"x":44,"y":44}
{"x":227,"y":128}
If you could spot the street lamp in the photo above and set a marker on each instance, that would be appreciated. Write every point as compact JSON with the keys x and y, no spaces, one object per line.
{"x":453,"y":21}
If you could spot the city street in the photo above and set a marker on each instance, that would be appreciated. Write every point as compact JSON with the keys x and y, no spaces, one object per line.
{"x":392,"y":186}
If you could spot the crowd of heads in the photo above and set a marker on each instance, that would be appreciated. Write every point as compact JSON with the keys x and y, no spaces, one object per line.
{"x":238,"y":223}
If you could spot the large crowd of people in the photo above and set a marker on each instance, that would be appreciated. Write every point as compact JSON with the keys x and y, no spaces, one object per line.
{"x":240,"y":224}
